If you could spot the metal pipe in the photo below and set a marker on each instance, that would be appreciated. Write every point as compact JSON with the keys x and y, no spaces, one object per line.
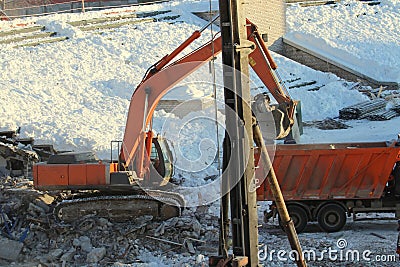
{"x":278,"y":197}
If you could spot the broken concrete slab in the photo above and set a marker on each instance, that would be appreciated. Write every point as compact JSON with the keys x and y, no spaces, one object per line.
{"x":68,"y":256}
{"x":10,"y":249}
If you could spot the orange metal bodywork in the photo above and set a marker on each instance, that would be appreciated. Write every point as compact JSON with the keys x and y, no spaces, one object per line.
{"x":332,"y":171}
{"x":49,"y":176}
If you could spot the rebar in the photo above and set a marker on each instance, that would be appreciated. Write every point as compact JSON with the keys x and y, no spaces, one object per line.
{"x":361,"y":110}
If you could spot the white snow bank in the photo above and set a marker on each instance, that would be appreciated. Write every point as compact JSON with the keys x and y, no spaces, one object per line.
{"x":334,"y":94}
{"x":75,"y":94}
{"x":326,"y":102}
{"x":369,"y":35}
{"x":364,"y":66}
{"x":60,"y":27}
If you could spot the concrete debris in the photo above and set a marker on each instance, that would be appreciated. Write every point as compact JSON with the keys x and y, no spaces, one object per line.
{"x":327,"y":124}
{"x":35,"y":237}
{"x":200,"y":258}
{"x":10,"y":249}
{"x":189,"y":246}
{"x":55,"y":254}
{"x":96,"y":255}
{"x":17,"y":154}
{"x":83,"y":243}
{"x":68,"y":256}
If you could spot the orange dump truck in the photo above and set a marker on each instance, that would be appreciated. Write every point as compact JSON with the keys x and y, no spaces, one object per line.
{"x":326,"y":182}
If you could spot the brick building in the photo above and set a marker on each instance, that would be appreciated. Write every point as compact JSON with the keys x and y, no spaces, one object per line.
{"x":270,"y":17}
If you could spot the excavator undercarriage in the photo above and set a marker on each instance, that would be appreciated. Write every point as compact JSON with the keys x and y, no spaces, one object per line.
{"x":116,"y":195}
{"x":121,"y":206}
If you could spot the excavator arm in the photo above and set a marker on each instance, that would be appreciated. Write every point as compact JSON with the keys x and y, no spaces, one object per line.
{"x":162,"y":76}
{"x":148,"y":94}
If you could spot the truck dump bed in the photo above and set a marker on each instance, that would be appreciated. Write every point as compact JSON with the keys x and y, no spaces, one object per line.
{"x":332,"y":171}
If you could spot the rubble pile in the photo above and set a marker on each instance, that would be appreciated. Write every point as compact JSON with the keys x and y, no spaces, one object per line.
{"x":15,"y":159}
{"x":17,"y":155}
{"x":32,"y":235}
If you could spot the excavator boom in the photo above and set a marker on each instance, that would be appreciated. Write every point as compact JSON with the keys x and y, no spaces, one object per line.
{"x":162,"y":77}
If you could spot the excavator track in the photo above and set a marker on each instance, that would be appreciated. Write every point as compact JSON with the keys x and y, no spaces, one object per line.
{"x":161,"y":205}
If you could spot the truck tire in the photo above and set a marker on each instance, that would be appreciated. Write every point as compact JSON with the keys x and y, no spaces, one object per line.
{"x":299,"y":217}
{"x":331,"y":217}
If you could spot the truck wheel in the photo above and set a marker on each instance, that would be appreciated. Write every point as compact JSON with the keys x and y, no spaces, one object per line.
{"x":331,"y":218}
{"x":299,"y":218}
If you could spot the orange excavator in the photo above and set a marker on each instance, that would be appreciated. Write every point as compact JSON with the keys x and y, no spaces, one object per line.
{"x":129,"y":186}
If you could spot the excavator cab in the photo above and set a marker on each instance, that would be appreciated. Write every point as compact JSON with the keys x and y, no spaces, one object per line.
{"x":161,"y":159}
{"x":158,"y":166}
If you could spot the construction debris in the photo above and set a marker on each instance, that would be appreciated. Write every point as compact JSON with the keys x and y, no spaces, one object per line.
{"x":152,"y":13}
{"x":327,"y":124}
{"x":33,"y":234}
{"x":362,"y":110}
{"x":17,"y":155}
{"x":16,"y":160}
{"x":10,"y":249}
{"x":302,"y":84}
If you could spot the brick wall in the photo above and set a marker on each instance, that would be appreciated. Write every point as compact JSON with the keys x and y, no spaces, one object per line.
{"x":270,"y":17}
{"x":16,"y":8}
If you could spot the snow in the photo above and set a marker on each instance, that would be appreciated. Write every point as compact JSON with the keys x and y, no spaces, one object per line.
{"x":318,"y":105}
{"x":352,"y":33}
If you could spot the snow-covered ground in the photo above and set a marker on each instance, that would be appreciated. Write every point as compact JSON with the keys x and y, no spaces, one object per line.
{"x":75,"y":94}
{"x":362,"y":37}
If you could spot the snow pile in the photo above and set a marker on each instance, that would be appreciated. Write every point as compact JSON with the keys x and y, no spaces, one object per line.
{"x":60,"y":27}
{"x":356,"y":35}
{"x":75,"y":94}
{"x":323,"y":103}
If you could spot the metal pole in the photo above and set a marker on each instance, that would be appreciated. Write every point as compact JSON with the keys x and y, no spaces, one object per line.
{"x":240,"y":173}
{"x":278,"y":197}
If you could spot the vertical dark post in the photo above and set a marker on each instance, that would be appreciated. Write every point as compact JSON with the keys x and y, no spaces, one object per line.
{"x":239,"y":167}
